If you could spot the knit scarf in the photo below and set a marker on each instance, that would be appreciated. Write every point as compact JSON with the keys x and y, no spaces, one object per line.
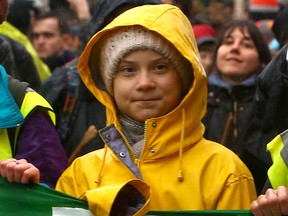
{"x":134,"y":133}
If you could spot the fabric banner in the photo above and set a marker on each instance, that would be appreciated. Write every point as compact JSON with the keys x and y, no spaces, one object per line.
{"x":36,"y":199}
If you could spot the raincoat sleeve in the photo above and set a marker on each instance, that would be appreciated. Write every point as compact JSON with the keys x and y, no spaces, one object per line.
{"x":243,"y":192}
{"x":40,"y":145}
{"x":239,"y":184}
{"x":129,"y":198}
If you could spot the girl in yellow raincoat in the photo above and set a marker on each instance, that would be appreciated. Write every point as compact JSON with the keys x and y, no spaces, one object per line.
{"x":150,"y":79}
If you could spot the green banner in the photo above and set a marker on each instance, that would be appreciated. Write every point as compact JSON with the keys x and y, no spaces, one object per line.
{"x":35,"y":199}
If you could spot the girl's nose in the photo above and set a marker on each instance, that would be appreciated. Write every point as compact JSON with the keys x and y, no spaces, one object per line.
{"x":145,"y":81}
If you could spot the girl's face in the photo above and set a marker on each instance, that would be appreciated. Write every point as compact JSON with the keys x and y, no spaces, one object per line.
{"x":237,"y":57}
{"x":146,"y":85}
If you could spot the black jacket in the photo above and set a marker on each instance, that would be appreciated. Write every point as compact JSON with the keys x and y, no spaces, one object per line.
{"x":272,"y":97}
{"x":271,"y":105}
{"x":230,"y":110}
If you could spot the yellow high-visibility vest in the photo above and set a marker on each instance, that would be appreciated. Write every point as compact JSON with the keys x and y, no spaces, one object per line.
{"x":32,"y":101}
{"x":278,"y":172}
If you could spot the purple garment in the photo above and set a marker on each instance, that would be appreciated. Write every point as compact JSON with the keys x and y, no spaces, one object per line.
{"x":40,"y":145}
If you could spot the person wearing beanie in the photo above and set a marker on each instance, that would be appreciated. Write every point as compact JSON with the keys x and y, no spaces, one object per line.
{"x":75,"y":124}
{"x":154,"y":88}
{"x":206,"y":39}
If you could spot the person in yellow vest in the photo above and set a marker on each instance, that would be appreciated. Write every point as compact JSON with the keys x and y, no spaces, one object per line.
{"x":27,"y":129}
{"x":274,"y":201}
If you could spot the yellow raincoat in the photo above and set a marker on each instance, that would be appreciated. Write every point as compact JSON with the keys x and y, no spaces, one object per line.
{"x":183,"y":170}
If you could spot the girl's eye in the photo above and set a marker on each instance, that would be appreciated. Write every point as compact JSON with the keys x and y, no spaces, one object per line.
{"x":127,"y":69}
{"x":160,"y":67}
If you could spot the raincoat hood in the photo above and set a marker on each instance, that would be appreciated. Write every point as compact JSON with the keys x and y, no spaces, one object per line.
{"x":162,"y":20}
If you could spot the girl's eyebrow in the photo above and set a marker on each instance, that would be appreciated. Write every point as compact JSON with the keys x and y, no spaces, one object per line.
{"x":127,"y":60}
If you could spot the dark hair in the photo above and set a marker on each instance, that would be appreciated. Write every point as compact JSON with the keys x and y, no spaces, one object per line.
{"x":255,"y":34}
{"x":63,"y":25}
{"x":20,"y":14}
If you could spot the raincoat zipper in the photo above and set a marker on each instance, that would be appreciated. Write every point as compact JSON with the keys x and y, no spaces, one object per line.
{"x":136,"y":161}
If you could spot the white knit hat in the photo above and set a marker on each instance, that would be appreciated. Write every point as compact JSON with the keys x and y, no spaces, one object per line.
{"x":124,"y":41}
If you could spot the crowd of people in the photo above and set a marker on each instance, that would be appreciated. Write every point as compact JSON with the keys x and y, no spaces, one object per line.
{"x":140,"y":105}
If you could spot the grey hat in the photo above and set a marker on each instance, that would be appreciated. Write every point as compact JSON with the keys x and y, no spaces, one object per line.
{"x":124,"y":41}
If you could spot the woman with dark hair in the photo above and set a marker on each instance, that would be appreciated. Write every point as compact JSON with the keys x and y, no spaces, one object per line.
{"x":240,"y":55}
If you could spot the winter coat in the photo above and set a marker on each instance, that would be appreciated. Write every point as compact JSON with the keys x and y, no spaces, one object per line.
{"x":230,"y":109}
{"x":272,"y":97}
{"x":184,"y":170}
{"x":27,"y":130}
{"x":65,"y":85}
{"x":271,"y":104}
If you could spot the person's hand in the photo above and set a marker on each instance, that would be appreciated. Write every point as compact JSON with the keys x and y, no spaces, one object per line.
{"x":274,"y":203}
{"x":19,"y":171}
